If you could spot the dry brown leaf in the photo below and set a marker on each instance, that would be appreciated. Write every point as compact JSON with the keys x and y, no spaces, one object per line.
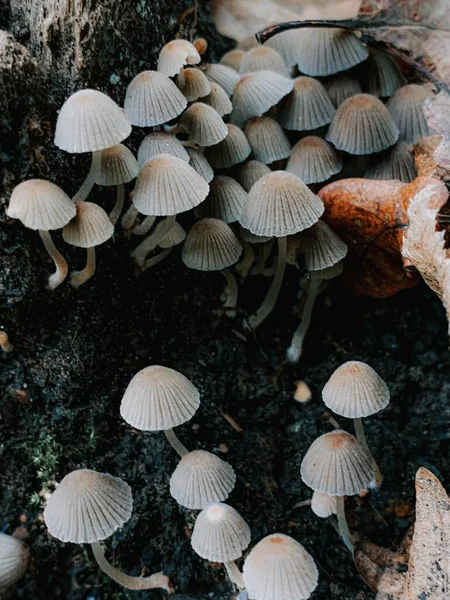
{"x":379,"y":567}
{"x":437,"y":112}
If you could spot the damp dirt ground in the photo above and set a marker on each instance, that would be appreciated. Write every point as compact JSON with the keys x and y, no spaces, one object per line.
{"x":76,"y":350}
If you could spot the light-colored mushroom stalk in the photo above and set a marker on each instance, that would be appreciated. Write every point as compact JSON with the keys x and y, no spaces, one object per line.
{"x":144,"y":227}
{"x":161,"y":230}
{"x":272,"y":295}
{"x":60,"y":262}
{"x":118,"y":206}
{"x":85,"y":274}
{"x":129,"y":218}
{"x":295,"y":350}
{"x":176,"y":444}
{"x":157,"y":580}
{"x":230,"y":293}
{"x":87,"y":185}
{"x":234,"y":574}
{"x":361,"y":437}
{"x":344,"y":530}
{"x":154,"y":260}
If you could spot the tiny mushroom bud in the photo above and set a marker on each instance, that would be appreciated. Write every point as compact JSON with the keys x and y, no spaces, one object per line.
{"x":267,"y":139}
{"x":307,"y":107}
{"x":5,"y":344}
{"x":313,"y":160}
{"x":225,"y":201}
{"x":323,"y":505}
{"x":263,"y":58}
{"x":203,"y":125}
{"x":42,"y":205}
{"x":223,"y":75}
{"x":175,"y":55}
{"x":14,"y":560}
{"x":194,"y":84}
{"x":279,"y":568}
{"x":231,"y":151}
{"x":201,"y":45}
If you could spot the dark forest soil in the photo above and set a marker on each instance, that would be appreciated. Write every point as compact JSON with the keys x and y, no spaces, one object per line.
{"x":76,"y":350}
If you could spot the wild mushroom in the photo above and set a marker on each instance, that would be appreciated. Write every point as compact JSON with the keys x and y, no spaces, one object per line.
{"x":307,"y":107}
{"x":267,"y":140}
{"x":200,"y":164}
{"x":203,"y":125}
{"x":338,"y":465}
{"x":117,"y":167}
{"x":175,"y":55}
{"x":354,"y":391}
{"x":193,"y":84}
{"x":279,"y":568}
{"x":263,"y":58}
{"x":86,"y":508}
{"x":313,"y":160}
{"x":233,"y":59}
{"x":90,"y":227}
{"x":278,"y":205}
{"x":250,"y":172}
{"x":200,"y":479}
{"x":159,"y":399}
{"x":212,"y":246}
{"x":340,"y":87}
{"x":323,"y":505}
{"x":225,"y":201}
{"x":406,"y":108}
{"x":383,"y":77}
{"x":396,"y":163}
{"x":14,"y":560}
{"x":160,"y":142}
{"x":90,"y":121}
{"x":288,"y":44}
{"x":231,"y":151}
{"x":220,"y":534}
{"x":5,"y":344}
{"x":223,"y":75}
{"x":42,"y":205}
{"x":218,"y":100}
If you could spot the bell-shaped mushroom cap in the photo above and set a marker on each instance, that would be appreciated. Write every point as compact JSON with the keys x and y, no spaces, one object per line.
{"x":328,"y":273}
{"x":203,"y":125}
{"x":225,"y":201}
{"x":226,"y":77}
{"x":90,"y":227}
{"x":250,"y":172}
{"x":355,"y":390}
{"x":89,"y":121}
{"x":255,"y":93}
{"x":398,"y":163}
{"x":247,"y":43}
{"x":279,"y":568}
{"x":117,"y":166}
{"x":88,"y":507}
{"x":313,"y":160}
{"x":340,"y":87}
{"x":321,"y":247}
{"x":175,"y":55}
{"x":383,"y":75}
{"x":263,"y":58}
{"x":324,"y":51}
{"x":362,"y":125}
{"x":338,"y":465}
{"x":194,"y":84}
{"x":40,"y":204}
{"x":280,"y":204}
{"x":14,"y":560}
{"x":233,"y":59}
{"x":210,"y":246}
{"x":160,"y":142}
{"x":175,"y":236}
{"x":288,"y":44}
{"x":200,"y":479}
{"x":152,"y":99}
{"x":406,"y":108}
{"x":167,"y":185}
{"x":251,"y":238}
{"x":200,"y":164}
{"x":323,"y":505}
{"x":220,"y":534}
{"x":159,"y":398}
{"x":267,"y":140}
{"x":218,"y":100}
{"x":231,"y":151}
{"x":307,"y":107}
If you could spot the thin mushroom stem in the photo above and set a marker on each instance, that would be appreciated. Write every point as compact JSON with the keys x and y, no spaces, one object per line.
{"x":144,"y":227}
{"x":80,"y":277}
{"x":361,"y":437}
{"x":272,"y":295}
{"x":295,"y":350}
{"x":245,"y":264}
{"x":151,"y":262}
{"x":129,"y":217}
{"x":157,"y":580}
{"x":60,"y":262}
{"x":234,"y":574}
{"x":118,"y":206}
{"x":344,"y":530}
{"x":150,"y":243}
{"x":230,"y":292}
{"x":87,"y":185}
{"x":173,"y":440}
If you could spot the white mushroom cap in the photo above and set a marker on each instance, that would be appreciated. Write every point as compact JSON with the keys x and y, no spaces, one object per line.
{"x":200,"y":479}
{"x":167,"y":185}
{"x":267,"y":139}
{"x":224,"y":76}
{"x":211,"y":246}
{"x":175,"y":236}
{"x":200,"y":164}
{"x":280,"y":204}
{"x":231,"y":151}
{"x":250,"y":172}
{"x":338,"y":465}
{"x":307,"y":107}
{"x":194,"y":84}
{"x":225,"y":201}
{"x":117,"y":165}
{"x":288,"y":44}
{"x":233,"y":59}
{"x":40,"y":204}
{"x":159,"y":398}
{"x":218,"y":100}
{"x":203,"y":125}
{"x":220,"y":533}
{"x":14,"y":560}
{"x":313,"y":160}
{"x":279,"y":568}
{"x":175,"y":55}
{"x":160,"y":142}
{"x":321,"y":247}
{"x":355,"y":390}
{"x":88,"y":507}
{"x":323,"y":505}
{"x":152,"y":99}
{"x":89,"y":121}
{"x":406,"y":108}
{"x":90,"y":227}
{"x":263,"y":58}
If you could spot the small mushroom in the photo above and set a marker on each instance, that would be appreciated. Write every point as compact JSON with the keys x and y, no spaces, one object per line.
{"x":406,"y":108}
{"x":203,"y":125}
{"x":175,"y":55}
{"x":263,"y":58}
{"x":159,"y":398}
{"x":233,"y":59}
{"x":200,"y":164}
{"x":267,"y":140}
{"x":42,"y":205}
{"x":313,"y":160}
{"x":231,"y":151}
{"x":194,"y":84}
{"x":250,"y":172}
{"x":5,"y":344}
{"x":396,"y":163}
{"x":223,"y":75}
{"x":200,"y":479}
{"x":323,"y":505}
{"x":160,"y":142}
{"x":307,"y":107}
{"x":279,"y":568}
{"x":288,"y":44}
{"x":88,"y":507}
{"x":383,"y":77}
{"x":14,"y":560}
{"x":225,"y":201}
{"x":340,"y":87}
{"x":218,"y":100}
